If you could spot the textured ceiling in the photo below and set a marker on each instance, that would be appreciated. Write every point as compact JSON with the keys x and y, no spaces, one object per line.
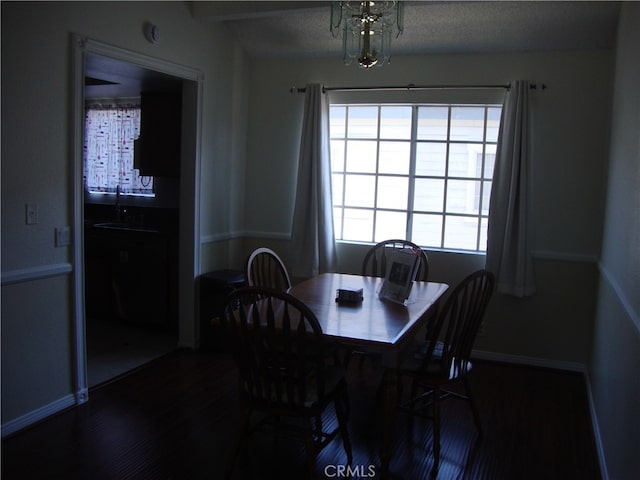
{"x":301,"y":29}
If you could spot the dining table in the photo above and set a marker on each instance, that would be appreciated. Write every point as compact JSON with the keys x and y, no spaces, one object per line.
{"x":373,"y":325}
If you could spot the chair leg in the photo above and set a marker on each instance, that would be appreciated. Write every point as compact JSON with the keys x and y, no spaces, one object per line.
{"x":310,"y":449}
{"x":436,"y":428}
{"x":474,"y":408}
{"x":342,"y":412}
{"x":346,"y":403}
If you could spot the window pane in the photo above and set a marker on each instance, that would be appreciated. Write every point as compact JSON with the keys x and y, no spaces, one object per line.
{"x":460,"y":232}
{"x":337,"y":121}
{"x":390,"y":225}
{"x":361,"y":156}
{"x":489,"y":161}
{"x":359,"y":190}
{"x":392,"y":192}
{"x":486,"y":198}
{"x":427,"y":230}
{"x":461,"y":196}
{"x":467,"y":123}
{"x":337,"y":155}
{"x":431,"y":158}
{"x":394,"y":157}
{"x":432,"y":123}
{"x":337,"y":223}
{"x":395,"y":122}
{"x":493,"y":123}
{"x":337,"y":188}
{"x":463,"y":159}
{"x":483,"y":235}
{"x":428,"y":195}
{"x":358,"y":225}
{"x":363,"y":122}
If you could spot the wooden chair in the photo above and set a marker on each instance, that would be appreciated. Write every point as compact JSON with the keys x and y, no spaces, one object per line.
{"x":264,"y":268}
{"x":443,"y":360}
{"x":376,"y":260}
{"x":375,"y":264}
{"x":280,"y":351}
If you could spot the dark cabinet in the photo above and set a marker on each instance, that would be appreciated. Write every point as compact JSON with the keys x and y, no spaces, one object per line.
{"x":158,"y":148}
{"x":128,"y":277}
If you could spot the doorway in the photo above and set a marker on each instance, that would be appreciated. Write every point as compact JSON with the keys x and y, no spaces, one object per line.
{"x":129,"y":335}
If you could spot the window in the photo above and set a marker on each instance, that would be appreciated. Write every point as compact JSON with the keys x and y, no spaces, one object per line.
{"x":110,"y":133}
{"x":421,"y":172}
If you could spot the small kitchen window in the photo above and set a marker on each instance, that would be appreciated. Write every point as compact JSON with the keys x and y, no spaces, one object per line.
{"x":111,"y":131}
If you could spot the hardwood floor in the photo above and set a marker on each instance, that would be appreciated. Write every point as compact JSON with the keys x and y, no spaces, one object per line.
{"x":114,"y":348}
{"x":175,"y":419}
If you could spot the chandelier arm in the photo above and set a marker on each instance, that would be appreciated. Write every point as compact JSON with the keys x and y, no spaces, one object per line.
{"x":400,"y":19}
{"x":335,"y":25}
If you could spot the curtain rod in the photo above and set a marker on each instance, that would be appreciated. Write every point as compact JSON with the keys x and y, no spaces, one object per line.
{"x":411,"y":86}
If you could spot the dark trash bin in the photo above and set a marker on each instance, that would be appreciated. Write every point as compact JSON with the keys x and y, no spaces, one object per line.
{"x":214,"y":288}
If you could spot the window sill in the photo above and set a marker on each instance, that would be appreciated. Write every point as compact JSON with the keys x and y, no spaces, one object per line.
{"x":426,"y":249}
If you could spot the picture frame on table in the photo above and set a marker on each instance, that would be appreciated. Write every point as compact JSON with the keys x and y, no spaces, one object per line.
{"x":404,"y":265}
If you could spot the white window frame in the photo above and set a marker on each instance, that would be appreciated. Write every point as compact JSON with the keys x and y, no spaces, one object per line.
{"x":476,"y":148}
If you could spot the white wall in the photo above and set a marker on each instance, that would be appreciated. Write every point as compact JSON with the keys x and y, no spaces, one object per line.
{"x":613,"y":370}
{"x":37,"y":164}
{"x":570,"y":144}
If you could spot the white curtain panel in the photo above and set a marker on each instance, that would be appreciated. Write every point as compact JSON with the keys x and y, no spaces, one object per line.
{"x":508,"y":250}
{"x":109,"y":149}
{"x":313,"y":241}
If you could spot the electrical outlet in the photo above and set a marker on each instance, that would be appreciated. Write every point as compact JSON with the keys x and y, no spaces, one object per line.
{"x":63,"y":236}
{"x":31,"y":217}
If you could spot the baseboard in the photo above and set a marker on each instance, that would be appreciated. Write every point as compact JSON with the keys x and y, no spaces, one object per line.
{"x":31,"y":418}
{"x":604,"y":473}
{"x":531,"y":361}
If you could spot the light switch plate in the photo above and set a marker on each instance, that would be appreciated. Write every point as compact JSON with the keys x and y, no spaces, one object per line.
{"x":63,"y":236}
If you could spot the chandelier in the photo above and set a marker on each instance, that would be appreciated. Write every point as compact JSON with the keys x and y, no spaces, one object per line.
{"x":367,"y":28}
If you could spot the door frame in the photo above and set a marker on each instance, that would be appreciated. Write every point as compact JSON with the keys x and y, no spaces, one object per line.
{"x":189,"y":235}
